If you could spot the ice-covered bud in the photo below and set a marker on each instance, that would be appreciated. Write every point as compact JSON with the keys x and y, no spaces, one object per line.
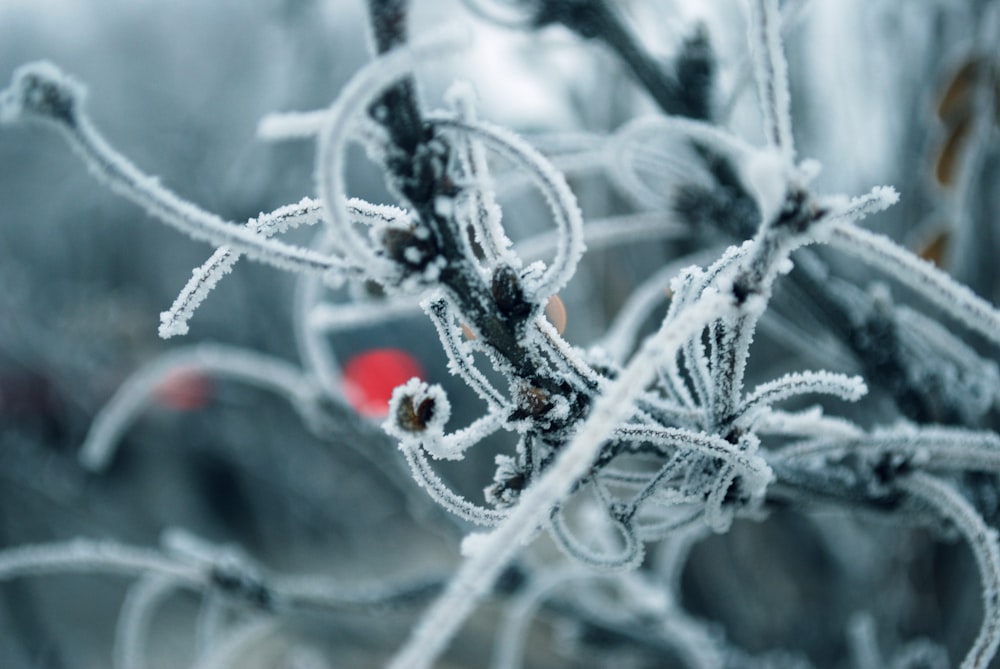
{"x":509,"y":480}
{"x":41,"y":90}
{"x":408,"y":248}
{"x":417,"y":409}
{"x":508,"y":291}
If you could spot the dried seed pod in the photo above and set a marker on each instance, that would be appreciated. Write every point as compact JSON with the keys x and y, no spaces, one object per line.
{"x":956,"y":100}
{"x":935,"y":248}
{"x":946,"y":167}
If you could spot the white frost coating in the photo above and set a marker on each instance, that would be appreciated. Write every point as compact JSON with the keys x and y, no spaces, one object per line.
{"x":83,"y":556}
{"x":460,"y":362}
{"x":935,"y":447}
{"x":472,"y":543}
{"x":125,"y":179}
{"x":756,"y":471}
{"x":481,"y":209}
{"x":416,"y":392}
{"x":135,"y":620}
{"x":453,"y":446}
{"x":848,"y":388}
{"x":327,"y":317}
{"x":630,"y":556}
{"x":561,"y":201}
{"x":810,"y":422}
{"x":771,"y":74}
{"x":281,"y":126}
{"x":204,"y":278}
{"x":217,"y":360}
{"x":315,"y":354}
{"x":651,"y":156}
{"x":982,"y":540}
{"x":878,"y":199}
{"x":359,"y":92}
{"x":651,"y":161}
{"x":605,"y":232}
{"x":956,"y":299}
{"x":478,"y":573}
{"x":454,"y":503}
{"x":651,"y":293}
{"x":35,"y":91}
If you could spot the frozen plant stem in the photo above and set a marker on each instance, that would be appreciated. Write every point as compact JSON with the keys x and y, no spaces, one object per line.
{"x":479,"y":572}
{"x":982,"y":540}
{"x":40,"y":92}
{"x":771,"y":74}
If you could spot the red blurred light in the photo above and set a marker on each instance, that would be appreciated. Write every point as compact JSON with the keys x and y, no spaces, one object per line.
{"x":184,"y":390}
{"x":370,"y":377}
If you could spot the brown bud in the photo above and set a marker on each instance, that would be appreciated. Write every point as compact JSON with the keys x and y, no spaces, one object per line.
{"x":413,"y":417}
{"x":535,"y":401}
{"x":407,"y":248}
{"x":949,"y":159}
{"x":956,"y":100}
{"x":509,"y":293}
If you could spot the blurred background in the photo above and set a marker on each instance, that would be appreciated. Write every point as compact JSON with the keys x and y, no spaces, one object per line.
{"x":179,"y":88}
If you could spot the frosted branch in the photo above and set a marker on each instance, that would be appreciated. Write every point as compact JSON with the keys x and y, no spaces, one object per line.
{"x":35,"y":83}
{"x":771,"y":74}
{"x":215,"y":360}
{"x":204,"y":278}
{"x":982,"y":540}
{"x":236,"y":644}
{"x":93,"y":556}
{"x":442,"y":494}
{"x":561,"y":201}
{"x":631,"y":554}
{"x":478,"y":573}
{"x":946,"y":293}
{"x":363,"y":88}
{"x":136,"y":619}
{"x":848,"y":388}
